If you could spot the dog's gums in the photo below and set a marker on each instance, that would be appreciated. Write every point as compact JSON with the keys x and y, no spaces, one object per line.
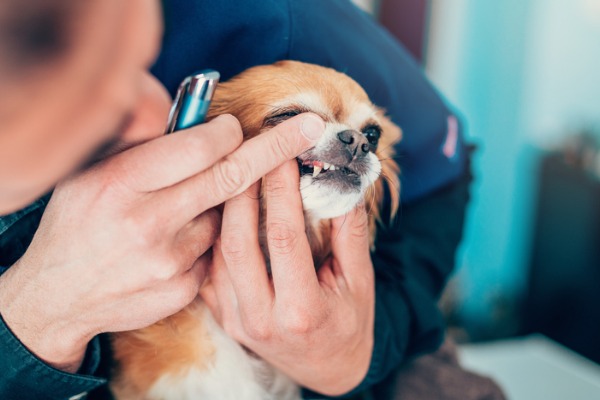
{"x":314,"y":168}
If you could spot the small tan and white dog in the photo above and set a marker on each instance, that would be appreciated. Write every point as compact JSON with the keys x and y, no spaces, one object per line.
{"x":188,"y":356}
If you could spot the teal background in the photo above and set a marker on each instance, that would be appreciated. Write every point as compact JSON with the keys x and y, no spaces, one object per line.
{"x":525,"y":76}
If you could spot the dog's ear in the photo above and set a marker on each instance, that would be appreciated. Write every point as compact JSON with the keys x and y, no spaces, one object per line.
{"x":390,"y":135}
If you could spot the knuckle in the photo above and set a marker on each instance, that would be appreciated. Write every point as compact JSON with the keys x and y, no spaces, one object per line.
{"x":163,"y":271}
{"x":281,"y":237}
{"x":233,"y":247}
{"x":141,"y":229}
{"x":228,"y":128}
{"x":275,"y":186}
{"x":257,"y":331}
{"x":230,"y":176}
{"x":298,"y":323}
{"x":186,"y":292}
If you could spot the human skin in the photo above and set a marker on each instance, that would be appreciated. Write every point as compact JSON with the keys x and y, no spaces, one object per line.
{"x":54,"y":116}
{"x":323,"y":318}
{"x":123,"y":244}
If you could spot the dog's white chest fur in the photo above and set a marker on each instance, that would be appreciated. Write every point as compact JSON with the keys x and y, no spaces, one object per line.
{"x":233,"y":374}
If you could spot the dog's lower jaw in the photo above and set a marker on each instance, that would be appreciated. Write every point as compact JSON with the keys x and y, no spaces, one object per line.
{"x":320,"y":201}
{"x":323,"y":200}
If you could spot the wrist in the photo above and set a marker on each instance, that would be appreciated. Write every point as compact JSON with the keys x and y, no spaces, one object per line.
{"x":53,"y":340}
{"x":348,"y":373}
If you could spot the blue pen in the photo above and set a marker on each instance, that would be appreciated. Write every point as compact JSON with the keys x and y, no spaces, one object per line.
{"x":192,"y":100}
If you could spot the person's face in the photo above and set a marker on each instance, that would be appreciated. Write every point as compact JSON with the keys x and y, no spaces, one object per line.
{"x":53,"y":121}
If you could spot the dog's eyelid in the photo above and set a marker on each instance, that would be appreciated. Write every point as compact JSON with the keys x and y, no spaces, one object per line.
{"x":282,"y":114}
{"x":286,"y":112}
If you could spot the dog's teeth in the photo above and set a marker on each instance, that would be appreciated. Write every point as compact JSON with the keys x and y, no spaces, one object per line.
{"x":332,"y":167}
{"x":326,"y":166}
{"x":316,"y":171}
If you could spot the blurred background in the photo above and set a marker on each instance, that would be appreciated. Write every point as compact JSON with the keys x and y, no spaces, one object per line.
{"x":525,"y":77}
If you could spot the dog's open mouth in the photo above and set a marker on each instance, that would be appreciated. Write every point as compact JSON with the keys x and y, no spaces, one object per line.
{"x":318,"y":168}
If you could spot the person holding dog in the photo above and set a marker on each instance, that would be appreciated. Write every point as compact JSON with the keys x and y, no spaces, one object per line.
{"x":122,"y":240}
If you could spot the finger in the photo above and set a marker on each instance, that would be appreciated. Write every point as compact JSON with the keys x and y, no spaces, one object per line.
{"x":198,"y":235}
{"x":174,"y":158}
{"x":326,"y":275}
{"x":182,"y":289}
{"x":251,"y":161}
{"x":292,"y":264}
{"x":223,"y":289}
{"x":350,"y":246}
{"x":242,"y":253}
{"x":199,"y":272}
{"x":209,"y":295}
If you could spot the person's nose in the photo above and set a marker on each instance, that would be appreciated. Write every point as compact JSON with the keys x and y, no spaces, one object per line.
{"x":149,"y":116}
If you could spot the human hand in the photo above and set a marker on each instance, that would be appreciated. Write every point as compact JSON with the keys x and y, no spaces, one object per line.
{"x":315,"y":326}
{"x":124,"y":244}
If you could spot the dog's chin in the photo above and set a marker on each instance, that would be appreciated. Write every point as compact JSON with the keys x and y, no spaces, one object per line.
{"x":333,"y":192}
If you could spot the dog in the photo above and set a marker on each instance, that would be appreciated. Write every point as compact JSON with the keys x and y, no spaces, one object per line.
{"x":188,"y":356}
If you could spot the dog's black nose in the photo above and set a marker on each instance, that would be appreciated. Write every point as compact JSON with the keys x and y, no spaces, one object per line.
{"x":356,"y":143}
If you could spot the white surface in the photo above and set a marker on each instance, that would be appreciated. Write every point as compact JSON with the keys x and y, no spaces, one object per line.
{"x":534,"y":368}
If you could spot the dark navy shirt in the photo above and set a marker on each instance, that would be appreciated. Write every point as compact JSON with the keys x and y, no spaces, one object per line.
{"x":414,"y":255}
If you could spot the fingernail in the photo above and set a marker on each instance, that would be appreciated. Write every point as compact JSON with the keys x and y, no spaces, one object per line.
{"x":312,"y":127}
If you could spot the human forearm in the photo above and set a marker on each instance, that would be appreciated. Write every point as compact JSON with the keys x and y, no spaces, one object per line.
{"x":50,"y":334}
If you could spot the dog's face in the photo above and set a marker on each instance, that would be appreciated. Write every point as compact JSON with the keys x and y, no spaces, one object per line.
{"x":355,"y":150}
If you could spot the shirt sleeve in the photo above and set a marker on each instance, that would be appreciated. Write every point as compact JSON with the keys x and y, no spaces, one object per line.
{"x":24,"y":376}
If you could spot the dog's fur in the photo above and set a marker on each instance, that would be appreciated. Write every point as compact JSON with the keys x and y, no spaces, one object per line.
{"x":188,"y":356}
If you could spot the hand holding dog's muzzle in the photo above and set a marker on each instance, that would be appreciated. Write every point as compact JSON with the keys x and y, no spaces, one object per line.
{"x":122,"y":245}
{"x":316,"y":327}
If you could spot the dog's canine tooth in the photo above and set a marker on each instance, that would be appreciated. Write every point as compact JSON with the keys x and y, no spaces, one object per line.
{"x":316,"y":171}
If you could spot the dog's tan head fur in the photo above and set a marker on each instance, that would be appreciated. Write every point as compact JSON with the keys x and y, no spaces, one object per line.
{"x":345,"y":165}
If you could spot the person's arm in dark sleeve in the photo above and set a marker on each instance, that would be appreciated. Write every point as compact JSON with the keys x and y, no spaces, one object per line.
{"x":413,"y":260}
{"x":416,"y":255}
{"x":22,"y":374}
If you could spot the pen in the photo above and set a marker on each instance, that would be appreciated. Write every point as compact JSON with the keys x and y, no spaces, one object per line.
{"x":192,"y":100}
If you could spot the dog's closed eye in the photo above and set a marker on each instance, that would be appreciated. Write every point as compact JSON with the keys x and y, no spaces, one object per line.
{"x":282,"y":114}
